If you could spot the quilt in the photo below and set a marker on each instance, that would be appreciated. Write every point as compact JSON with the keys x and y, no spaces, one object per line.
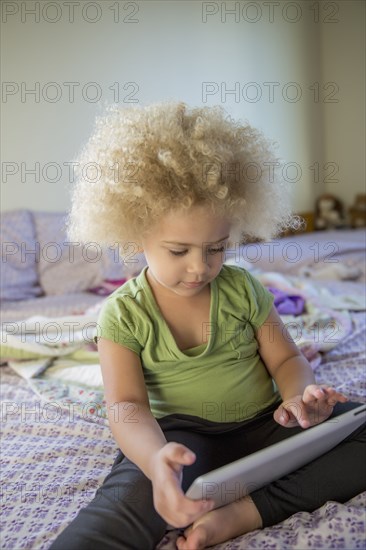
{"x":57,"y":446}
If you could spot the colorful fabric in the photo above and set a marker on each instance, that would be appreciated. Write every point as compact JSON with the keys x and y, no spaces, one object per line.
{"x":287,"y":304}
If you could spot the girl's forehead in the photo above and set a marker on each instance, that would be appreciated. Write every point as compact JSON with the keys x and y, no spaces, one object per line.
{"x":191,"y":226}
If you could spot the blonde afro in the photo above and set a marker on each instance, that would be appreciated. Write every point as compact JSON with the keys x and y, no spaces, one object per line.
{"x":142,"y":162}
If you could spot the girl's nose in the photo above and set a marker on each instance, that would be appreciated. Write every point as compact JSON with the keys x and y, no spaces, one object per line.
{"x":198,"y":266}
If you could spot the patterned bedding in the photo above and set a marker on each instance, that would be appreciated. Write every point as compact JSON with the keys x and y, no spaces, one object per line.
{"x":53,"y":306}
{"x":57,"y":449}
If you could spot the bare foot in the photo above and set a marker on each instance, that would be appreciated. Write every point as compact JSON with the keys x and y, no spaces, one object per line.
{"x":221,"y":525}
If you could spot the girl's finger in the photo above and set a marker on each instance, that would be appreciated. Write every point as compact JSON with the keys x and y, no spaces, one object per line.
{"x":313,"y":392}
{"x":336,"y":398}
{"x":284,"y":416}
{"x":281,"y":416}
{"x":299,"y":413}
{"x":178,"y":454}
{"x":333,"y":396}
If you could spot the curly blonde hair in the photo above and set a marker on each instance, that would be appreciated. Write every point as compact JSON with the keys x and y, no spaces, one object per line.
{"x":142,"y":162}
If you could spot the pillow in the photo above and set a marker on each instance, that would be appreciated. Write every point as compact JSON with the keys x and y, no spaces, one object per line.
{"x":316,"y":250}
{"x":65,"y":268}
{"x":19,"y":277}
{"x":117,"y":267}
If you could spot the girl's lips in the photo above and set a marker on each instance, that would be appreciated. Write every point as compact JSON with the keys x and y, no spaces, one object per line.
{"x":193,"y":285}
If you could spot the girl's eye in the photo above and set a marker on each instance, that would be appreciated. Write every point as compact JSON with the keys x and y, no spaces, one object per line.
{"x":178,"y":252}
{"x":215,"y":250}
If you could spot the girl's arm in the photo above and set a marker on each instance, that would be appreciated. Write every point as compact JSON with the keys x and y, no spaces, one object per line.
{"x":304,"y":402}
{"x":140,"y":437}
{"x":128,"y":404}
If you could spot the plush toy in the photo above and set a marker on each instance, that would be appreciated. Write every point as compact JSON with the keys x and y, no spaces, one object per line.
{"x":358,"y":211}
{"x":329,"y":213}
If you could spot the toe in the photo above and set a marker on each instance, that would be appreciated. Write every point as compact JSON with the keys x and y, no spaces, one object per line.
{"x":196,"y":538}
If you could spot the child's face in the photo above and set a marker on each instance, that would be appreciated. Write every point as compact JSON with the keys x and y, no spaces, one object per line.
{"x":185,"y":250}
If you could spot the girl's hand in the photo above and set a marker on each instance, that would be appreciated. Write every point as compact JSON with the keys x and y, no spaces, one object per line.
{"x":169,"y":499}
{"x":313,"y":407}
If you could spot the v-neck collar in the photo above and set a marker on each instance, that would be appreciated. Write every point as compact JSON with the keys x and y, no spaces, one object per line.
{"x":172,"y":342}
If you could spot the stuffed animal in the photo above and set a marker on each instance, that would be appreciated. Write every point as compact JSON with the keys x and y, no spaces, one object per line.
{"x":358,"y":211}
{"x":329,"y":213}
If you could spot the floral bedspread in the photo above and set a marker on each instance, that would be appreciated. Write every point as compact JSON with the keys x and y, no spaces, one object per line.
{"x":54,"y":457}
{"x":331,"y":526}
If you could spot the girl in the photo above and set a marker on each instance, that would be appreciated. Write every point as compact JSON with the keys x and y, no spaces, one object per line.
{"x":197,"y":366}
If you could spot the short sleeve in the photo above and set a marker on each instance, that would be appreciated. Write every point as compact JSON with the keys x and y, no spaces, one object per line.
{"x":260,"y":301}
{"x":116,"y":322}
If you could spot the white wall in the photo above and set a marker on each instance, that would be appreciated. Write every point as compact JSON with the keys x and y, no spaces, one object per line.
{"x":169,"y":50}
{"x":343,"y":62}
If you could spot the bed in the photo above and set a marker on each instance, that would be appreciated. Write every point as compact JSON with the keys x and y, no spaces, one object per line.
{"x":56,"y":444}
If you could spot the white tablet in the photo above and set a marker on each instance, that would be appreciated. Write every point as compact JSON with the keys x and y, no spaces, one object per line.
{"x":239,"y":478}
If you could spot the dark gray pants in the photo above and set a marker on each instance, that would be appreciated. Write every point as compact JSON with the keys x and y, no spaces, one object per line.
{"x":122,"y":516}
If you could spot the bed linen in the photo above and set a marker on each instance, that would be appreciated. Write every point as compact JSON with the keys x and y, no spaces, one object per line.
{"x":57,"y":447}
{"x":319,"y":255}
{"x":53,"y":460}
{"x":52,"y":306}
{"x":39,"y":501}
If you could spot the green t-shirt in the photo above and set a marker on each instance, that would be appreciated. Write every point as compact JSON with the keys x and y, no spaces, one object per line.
{"x":224,"y":380}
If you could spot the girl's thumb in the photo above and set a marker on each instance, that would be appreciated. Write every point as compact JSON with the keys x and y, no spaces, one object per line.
{"x":183,"y":455}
